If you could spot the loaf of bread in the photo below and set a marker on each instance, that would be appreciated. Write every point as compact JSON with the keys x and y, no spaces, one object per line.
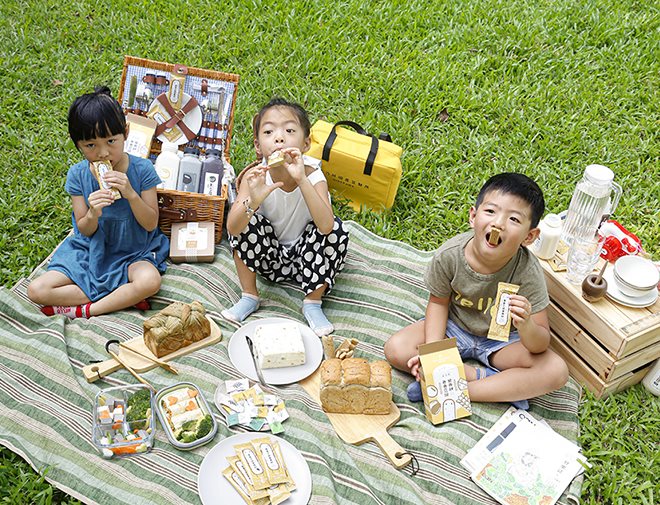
{"x":177,"y":325}
{"x":355,"y":386}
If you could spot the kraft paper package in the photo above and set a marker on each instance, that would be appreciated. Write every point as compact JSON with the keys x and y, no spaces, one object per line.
{"x":443,"y":382}
{"x":192,"y":242}
{"x":358,"y":166}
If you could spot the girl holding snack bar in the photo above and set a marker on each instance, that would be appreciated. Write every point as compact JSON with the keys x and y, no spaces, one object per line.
{"x":282,"y":225}
{"x":116,"y":254}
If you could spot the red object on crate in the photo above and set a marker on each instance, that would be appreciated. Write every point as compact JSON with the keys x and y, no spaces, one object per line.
{"x":618,"y":241}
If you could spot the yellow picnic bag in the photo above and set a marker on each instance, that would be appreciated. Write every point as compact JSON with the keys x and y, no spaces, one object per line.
{"x":363,"y":168}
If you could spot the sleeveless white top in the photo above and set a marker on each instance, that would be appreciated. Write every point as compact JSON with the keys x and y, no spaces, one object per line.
{"x":288,"y":212}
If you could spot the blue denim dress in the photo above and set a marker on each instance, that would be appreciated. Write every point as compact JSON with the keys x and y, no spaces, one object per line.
{"x":99,"y":264}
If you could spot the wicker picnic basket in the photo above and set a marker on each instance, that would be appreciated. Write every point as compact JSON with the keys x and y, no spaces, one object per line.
{"x":182,"y":206}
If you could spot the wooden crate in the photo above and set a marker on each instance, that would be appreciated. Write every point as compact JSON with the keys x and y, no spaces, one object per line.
{"x":586,"y":376}
{"x":607,"y":346}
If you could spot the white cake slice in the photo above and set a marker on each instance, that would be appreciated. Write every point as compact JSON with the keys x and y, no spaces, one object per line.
{"x":279,"y":345}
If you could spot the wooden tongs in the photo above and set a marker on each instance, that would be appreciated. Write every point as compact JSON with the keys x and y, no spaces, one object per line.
{"x":125,"y":365}
{"x":159,"y":362}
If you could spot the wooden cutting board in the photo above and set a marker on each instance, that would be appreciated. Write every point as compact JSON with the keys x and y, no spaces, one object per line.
{"x":96,"y":371}
{"x":357,"y":429}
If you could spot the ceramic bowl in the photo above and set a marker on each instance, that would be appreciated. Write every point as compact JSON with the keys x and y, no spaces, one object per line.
{"x":635,"y":276}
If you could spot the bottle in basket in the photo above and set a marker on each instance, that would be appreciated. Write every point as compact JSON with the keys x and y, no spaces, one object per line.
{"x":212,"y":171}
{"x":190,"y":170}
{"x":167,"y":165}
{"x":594,"y":199}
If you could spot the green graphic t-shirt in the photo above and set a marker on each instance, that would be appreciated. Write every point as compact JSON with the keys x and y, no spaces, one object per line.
{"x":472,"y":295}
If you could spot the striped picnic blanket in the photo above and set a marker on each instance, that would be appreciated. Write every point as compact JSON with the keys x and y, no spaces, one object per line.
{"x":46,"y":404}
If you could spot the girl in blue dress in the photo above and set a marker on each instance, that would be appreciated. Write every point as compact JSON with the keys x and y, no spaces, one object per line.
{"x":116,"y":255}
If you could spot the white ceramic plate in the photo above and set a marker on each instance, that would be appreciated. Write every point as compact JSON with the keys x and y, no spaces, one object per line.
{"x":239,"y":354}
{"x":629,"y":301}
{"x":214,"y":489}
{"x":193,"y":120}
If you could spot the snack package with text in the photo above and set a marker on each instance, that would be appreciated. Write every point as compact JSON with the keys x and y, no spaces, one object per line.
{"x":443,"y":382}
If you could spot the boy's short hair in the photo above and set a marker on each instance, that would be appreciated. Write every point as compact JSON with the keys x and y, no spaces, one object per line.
{"x":518,"y":185}
{"x":296,"y":108}
{"x":94,"y":115}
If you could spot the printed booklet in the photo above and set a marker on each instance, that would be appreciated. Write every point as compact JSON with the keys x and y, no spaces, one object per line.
{"x":522,"y":460}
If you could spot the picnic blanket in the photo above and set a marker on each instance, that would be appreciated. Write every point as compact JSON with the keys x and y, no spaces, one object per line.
{"x":46,"y":404}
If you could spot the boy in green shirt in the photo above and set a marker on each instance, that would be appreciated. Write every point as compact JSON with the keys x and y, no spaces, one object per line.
{"x":463,"y":277}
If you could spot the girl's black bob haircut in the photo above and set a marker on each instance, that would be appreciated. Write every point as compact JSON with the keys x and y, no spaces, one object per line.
{"x":95,"y":115}
{"x":297,"y":109}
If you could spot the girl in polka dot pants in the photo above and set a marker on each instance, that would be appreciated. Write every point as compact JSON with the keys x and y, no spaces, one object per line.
{"x":281,"y":225}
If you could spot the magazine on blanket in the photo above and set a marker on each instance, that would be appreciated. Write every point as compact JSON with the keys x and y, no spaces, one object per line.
{"x":522,"y":460}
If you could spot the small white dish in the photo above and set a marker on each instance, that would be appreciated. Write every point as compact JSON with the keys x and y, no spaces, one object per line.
{"x":214,"y":489}
{"x":636,"y":273}
{"x":239,"y":354}
{"x":614,"y":293}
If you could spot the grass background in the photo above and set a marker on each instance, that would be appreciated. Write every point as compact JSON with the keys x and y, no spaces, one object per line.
{"x":468,"y":89}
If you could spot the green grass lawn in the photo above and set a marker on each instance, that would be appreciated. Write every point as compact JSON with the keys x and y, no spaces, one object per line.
{"x":468,"y":89}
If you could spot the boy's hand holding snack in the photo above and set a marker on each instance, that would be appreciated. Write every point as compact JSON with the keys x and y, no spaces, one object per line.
{"x":521,"y":311}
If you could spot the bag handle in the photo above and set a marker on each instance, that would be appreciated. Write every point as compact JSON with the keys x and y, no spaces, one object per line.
{"x":369,"y":164}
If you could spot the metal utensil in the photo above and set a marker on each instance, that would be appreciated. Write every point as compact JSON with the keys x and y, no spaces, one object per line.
{"x":221,"y":118}
{"x":254,"y":360}
{"x":206,"y":109}
{"x":214,"y":106}
{"x":132,"y":90}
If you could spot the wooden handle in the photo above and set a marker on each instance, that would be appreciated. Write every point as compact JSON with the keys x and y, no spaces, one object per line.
{"x":396,"y":454}
{"x":97,"y":371}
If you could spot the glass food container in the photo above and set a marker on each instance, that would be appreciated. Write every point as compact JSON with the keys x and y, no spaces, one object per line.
{"x":185,"y":416}
{"x":124,"y":421}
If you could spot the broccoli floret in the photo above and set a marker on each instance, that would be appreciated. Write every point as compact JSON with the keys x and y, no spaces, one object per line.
{"x":139,"y":409}
{"x":141,"y":397}
{"x":189,"y":425}
{"x":194,"y":430}
{"x":204,"y":427}
{"x":187,"y":437}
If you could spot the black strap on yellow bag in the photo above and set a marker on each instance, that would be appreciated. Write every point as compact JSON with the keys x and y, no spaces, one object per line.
{"x":369,"y":163}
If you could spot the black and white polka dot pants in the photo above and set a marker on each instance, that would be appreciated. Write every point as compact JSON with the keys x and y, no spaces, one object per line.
{"x":313,"y":260}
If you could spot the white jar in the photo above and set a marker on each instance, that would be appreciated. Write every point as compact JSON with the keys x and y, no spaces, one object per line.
{"x":652,"y":379}
{"x":167,"y":165}
{"x":546,"y":244}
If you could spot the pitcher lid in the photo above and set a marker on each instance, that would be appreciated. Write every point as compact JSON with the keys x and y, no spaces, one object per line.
{"x":599,"y":174}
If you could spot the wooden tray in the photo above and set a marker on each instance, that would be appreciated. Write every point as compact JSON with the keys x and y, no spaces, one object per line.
{"x":357,"y":429}
{"x":97,"y":371}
